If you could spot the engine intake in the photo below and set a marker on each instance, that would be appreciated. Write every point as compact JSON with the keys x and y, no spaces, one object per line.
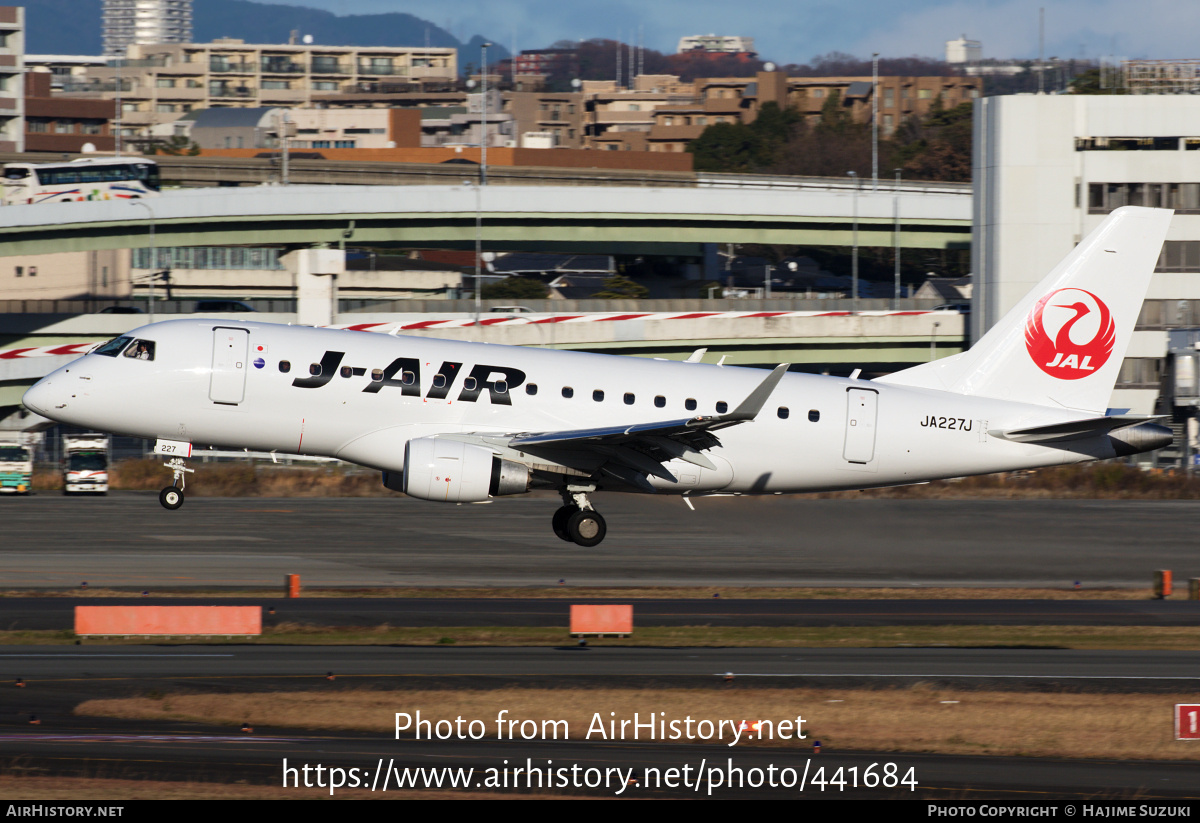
{"x":455,"y":472}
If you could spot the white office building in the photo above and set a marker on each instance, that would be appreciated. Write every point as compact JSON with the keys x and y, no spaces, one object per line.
{"x":1048,"y":168}
{"x":963,"y":50}
{"x":716,"y":43}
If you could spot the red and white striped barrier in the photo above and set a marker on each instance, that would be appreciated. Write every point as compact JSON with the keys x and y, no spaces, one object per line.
{"x":529,"y":320}
{"x":77,"y":349}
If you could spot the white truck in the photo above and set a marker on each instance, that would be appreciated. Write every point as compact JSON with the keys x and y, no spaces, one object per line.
{"x":85,"y":463}
{"x":16,"y":464}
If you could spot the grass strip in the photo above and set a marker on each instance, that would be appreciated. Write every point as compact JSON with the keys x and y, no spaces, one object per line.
{"x":921,"y":718}
{"x":1147,"y":638}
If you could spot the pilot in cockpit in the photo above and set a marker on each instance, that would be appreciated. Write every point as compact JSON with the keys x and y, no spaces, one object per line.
{"x":141,"y":350}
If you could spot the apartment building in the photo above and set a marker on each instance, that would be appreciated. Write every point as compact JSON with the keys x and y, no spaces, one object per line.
{"x":618,"y":118}
{"x":127,"y":22}
{"x":899,"y":97}
{"x":547,"y":119}
{"x":12,"y":84}
{"x":664,"y":114}
{"x":64,"y":124}
{"x":159,"y":83}
{"x":546,"y":61}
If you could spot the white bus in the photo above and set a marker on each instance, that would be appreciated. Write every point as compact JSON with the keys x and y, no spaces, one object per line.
{"x":91,"y":178}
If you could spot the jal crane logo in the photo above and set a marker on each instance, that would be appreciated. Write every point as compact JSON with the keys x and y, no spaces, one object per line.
{"x":1070,"y":334}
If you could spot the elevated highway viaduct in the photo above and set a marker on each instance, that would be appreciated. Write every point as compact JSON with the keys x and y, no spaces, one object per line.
{"x":601,"y":219}
{"x":671,"y":217}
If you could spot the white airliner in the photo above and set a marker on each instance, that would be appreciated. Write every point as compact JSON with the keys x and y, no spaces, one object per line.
{"x":459,"y":422}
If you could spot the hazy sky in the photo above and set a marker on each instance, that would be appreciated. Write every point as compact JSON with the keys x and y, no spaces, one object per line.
{"x":793,"y":31}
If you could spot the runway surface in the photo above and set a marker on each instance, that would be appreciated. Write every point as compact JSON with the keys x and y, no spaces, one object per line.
{"x":1131,"y":670}
{"x":57,"y":613}
{"x":127,"y":539}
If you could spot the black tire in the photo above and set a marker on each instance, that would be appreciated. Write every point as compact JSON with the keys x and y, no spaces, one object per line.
{"x":587,"y":528}
{"x":171,"y":497}
{"x":560,"y":522}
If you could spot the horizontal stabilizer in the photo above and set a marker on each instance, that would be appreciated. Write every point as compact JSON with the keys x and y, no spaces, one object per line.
{"x":1074,"y":429}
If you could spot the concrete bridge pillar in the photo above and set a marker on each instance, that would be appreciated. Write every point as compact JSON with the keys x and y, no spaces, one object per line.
{"x":314,"y":275}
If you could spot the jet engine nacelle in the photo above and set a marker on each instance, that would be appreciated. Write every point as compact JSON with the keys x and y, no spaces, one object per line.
{"x":455,"y":472}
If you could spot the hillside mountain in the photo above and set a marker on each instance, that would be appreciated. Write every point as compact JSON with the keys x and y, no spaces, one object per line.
{"x":73,"y":27}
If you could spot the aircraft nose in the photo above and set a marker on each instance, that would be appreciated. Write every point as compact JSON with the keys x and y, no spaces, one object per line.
{"x":40,"y":398}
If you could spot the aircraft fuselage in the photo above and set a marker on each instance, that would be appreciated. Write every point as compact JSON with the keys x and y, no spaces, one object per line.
{"x":362,"y":396}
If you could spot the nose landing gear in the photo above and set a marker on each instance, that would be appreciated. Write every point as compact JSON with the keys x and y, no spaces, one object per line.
{"x":576,"y":521}
{"x":171,"y":497}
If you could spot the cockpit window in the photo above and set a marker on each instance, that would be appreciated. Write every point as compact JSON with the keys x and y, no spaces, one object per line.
{"x":141,"y":350}
{"x":113,"y":347}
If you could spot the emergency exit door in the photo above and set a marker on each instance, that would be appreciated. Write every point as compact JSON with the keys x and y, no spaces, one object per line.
{"x":861,"y":409}
{"x":230,"y":347}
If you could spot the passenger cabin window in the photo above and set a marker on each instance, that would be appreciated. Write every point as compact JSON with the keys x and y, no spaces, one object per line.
{"x":629,"y":398}
{"x":376,"y":375}
{"x":141,"y":350}
{"x":470,"y":384}
{"x":113,"y":347}
{"x":722,"y":407}
{"x":531,"y":388}
{"x":598,"y":395}
{"x":285,"y":366}
{"x":814,"y":415}
{"x":346,"y":371}
{"x":690,"y":404}
{"x":500,"y":387}
{"x":408,"y":378}
{"x":660,"y":401}
{"x":783,"y":412}
{"x":314,"y":369}
{"x":439,"y":381}
{"x":568,"y":392}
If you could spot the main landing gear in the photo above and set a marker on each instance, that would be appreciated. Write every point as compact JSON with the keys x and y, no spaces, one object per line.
{"x":577,"y":521}
{"x":171,"y":496}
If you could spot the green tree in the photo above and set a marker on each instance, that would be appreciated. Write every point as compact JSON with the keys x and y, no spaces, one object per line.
{"x":745,"y":147}
{"x":775,"y":123}
{"x":515,"y":288}
{"x":619,"y":287}
{"x":835,"y":118}
{"x":938,"y":147}
{"x":176,"y":145}
{"x":731,"y":147}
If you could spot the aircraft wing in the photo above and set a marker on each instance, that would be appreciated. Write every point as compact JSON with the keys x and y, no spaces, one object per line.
{"x":631,"y":452}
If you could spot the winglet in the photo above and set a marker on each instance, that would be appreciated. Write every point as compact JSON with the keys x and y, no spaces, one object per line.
{"x":696,"y":356}
{"x":752,"y":405}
